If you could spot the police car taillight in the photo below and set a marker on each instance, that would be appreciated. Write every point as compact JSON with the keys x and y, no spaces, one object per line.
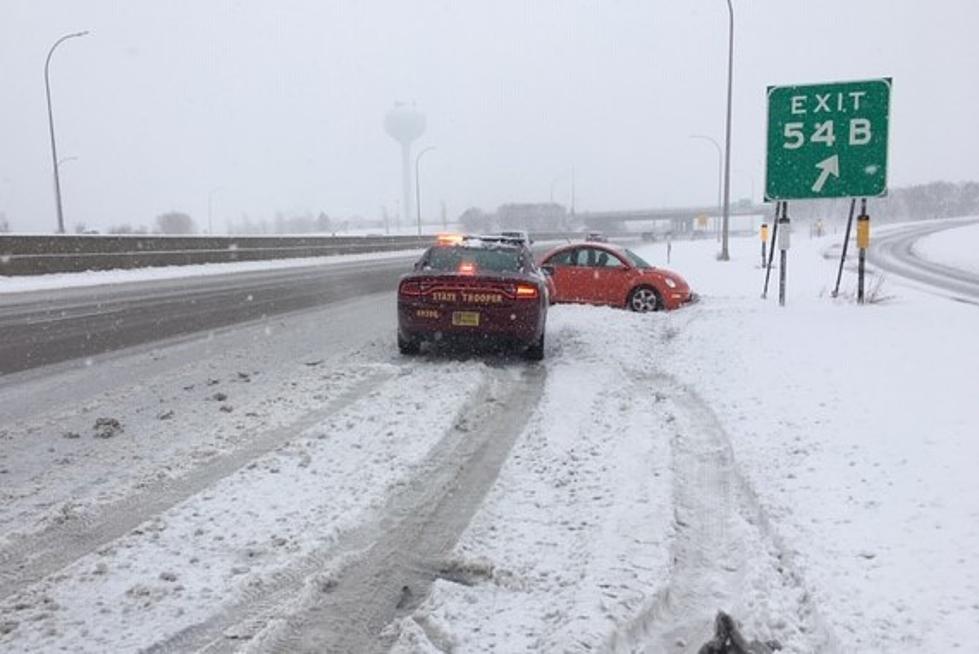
{"x":527,"y":292}
{"x":410,"y":288}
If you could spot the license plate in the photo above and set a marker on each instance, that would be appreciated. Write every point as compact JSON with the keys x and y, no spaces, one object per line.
{"x":465,"y":318}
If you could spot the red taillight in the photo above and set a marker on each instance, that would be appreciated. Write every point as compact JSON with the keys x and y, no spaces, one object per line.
{"x":526,"y":292}
{"x":410,"y":288}
{"x":467,"y":268}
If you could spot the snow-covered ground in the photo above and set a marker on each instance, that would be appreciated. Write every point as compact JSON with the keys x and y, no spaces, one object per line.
{"x":807,"y":468}
{"x":856,"y":426}
{"x":853,"y":427}
{"x":958,"y":247}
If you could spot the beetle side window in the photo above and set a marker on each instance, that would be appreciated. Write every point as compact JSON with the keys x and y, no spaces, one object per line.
{"x":598,"y":258}
{"x":565,"y":258}
{"x":608,"y":260}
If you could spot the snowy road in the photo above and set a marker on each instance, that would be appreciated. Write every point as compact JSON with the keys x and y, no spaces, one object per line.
{"x":292,"y":484}
{"x":47,"y":319}
{"x":895,"y":251}
{"x":41,"y":327}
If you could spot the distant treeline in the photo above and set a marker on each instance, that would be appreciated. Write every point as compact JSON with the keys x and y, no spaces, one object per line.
{"x":919,"y":202}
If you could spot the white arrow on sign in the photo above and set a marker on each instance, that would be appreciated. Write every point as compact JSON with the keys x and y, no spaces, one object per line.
{"x":827,"y":167}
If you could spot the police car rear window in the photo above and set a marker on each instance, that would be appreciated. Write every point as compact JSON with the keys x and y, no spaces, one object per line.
{"x":449,"y":259}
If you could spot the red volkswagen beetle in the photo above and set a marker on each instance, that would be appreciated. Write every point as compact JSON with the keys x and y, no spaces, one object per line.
{"x":603,"y":273}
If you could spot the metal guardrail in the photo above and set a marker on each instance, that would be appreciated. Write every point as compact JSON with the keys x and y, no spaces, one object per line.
{"x":40,"y":254}
{"x":33,"y":255}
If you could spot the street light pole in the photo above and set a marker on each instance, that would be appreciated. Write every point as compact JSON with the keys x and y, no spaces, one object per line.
{"x":54,"y":148}
{"x":724,"y":256}
{"x":553,"y":184}
{"x":720,"y":165}
{"x":418,"y":187}
{"x":559,"y":178}
{"x":572,"y":192}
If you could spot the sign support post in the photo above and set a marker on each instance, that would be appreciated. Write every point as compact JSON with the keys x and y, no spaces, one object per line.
{"x":783,"y":246}
{"x":771,"y":250}
{"x":846,"y":242}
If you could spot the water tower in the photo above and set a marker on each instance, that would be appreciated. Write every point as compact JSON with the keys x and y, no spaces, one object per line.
{"x":405,"y":124}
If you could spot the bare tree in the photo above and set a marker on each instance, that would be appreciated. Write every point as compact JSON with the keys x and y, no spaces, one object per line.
{"x":126,"y":228}
{"x":175,"y":222}
{"x":474,"y":219}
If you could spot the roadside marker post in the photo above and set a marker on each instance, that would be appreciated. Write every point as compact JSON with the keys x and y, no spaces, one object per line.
{"x":771,"y":250}
{"x":846,"y":242}
{"x":764,"y":238}
{"x":783,"y":246}
{"x":863,"y":242}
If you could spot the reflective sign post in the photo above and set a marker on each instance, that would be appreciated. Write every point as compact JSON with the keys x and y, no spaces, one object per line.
{"x":764,"y":238}
{"x":783,"y":246}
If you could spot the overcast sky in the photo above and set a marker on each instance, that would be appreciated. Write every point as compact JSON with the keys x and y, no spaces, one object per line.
{"x":278,"y":105}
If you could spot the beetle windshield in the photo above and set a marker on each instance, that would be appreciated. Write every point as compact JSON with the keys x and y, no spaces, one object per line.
{"x":636,"y":260}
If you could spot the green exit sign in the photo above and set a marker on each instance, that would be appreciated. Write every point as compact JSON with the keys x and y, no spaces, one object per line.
{"x":828,"y":140}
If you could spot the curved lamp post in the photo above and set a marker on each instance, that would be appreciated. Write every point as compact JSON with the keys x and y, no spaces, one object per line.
{"x":724,"y":256}
{"x":54,"y":148}
{"x":720,"y":166}
{"x":418,"y":187}
{"x":554,"y":183}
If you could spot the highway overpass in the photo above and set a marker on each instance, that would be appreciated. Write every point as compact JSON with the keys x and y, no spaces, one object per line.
{"x":681,"y":218}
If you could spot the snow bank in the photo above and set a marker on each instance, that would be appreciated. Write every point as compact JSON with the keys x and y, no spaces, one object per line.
{"x":856,"y":426}
{"x":958,"y":248}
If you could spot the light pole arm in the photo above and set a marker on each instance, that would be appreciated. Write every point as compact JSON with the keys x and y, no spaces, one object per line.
{"x":720,"y":165}
{"x":713,"y":142}
{"x":418,"y":187}
{"x":54,"y":147}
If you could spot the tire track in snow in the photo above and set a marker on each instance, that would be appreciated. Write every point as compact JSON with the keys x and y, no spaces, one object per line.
{"x":341,"y":598}
{"x":30,"y":559}
{"x":726,"y":553}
